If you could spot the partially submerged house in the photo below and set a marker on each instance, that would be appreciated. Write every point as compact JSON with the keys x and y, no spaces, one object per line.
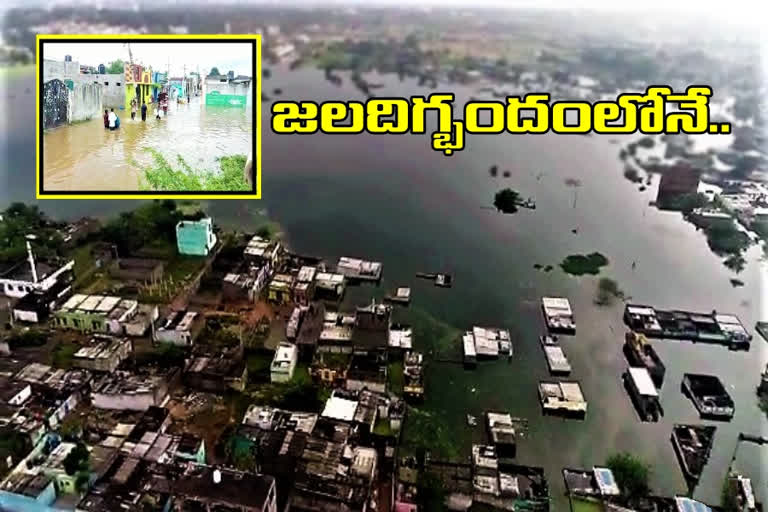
{"x":102,"y":353}
{"x":643,"y":393}
{"x":640,"y":353}
{"x":133,"y":392}
{"x":598,"y":482}
{"x":413,"y":376}
{"x":280,"y":289}
{"x":330,"y":286}
{"x":501,"y":432}
{"x":284,"y":362}
{"x":180,"y":328}
{"x":359,"y":270}
{"x":709,"y":396}
{"x":195,"y":237}
{"x":693,"y":445}
{"x":367,"y":370}
{"x":558,"y":315}
{"x":137,"y":270}
{"x":95,"y":313}
{"x":563,"y":398}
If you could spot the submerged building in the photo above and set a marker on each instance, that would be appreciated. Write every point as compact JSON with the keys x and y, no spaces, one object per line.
{"x":195,"y":237}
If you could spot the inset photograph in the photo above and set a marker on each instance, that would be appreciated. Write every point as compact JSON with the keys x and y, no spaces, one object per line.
{"x":142,"y":116}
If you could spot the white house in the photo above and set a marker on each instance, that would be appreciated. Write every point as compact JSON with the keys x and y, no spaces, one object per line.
{"x":284,"y":362}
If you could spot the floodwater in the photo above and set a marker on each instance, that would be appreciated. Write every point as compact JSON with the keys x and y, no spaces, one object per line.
{"x":86,"y":156}
{"x":393,"y":199}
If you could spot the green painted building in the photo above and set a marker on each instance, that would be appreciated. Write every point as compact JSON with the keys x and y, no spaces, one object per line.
{"x":221,"y":91}
{"x":195,"y":237}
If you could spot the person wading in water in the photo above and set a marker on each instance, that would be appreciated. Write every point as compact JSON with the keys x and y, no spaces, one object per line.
{"x":106,"y":119}
{"x":143,"y":111}
{"x":112,"y":120}
{"x":133,"y":109}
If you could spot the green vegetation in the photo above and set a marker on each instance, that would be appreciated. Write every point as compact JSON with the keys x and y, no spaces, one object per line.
{"x":632,"y":475}
{"x":258,"y":364}
{"x":424,"y":432}
{"x":438,"y":337}
{"x":578,"y":264}
{"x":83,"y":259}
{"x":71,"y":428}
{"x":20,"y":220}
{"x":431,"y":492}
{"x":27,"y":338}
{"x":221,"y":331}
{"x":685,"y":203}
{"x":729,"y":500}
{"x":149,"y":223}
{"x":586,"y":505}
{"x":116,"y":66}
{"x":164,"y":355}
{"x":63,"y":355}
{"x":632,"y":175}
{"x":396,"y":377}
{"x":77,"y":460}
{"x":383,"y":428}
{"x":162,"y":176}
{"x":726,"y":239}
{"x":507,"y":200}
{"x":607,"y":292}
{"x":14,"y":445}
{"x":299,"y":394}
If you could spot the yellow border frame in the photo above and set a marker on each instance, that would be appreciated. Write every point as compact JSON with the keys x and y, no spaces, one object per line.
{"x":160,"y":195}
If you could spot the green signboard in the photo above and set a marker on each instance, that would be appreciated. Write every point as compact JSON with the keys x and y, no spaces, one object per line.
{"x":231,"y":100}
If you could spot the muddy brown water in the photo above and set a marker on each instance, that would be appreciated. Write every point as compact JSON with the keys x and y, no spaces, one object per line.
{"x":86,"y":156}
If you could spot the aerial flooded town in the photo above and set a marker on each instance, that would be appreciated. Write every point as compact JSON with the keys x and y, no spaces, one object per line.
{"x":537,"y":322}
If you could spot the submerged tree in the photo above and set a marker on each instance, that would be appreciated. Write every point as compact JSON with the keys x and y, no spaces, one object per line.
{"x":631,"y":474}
{"x":506,"y":201}
{"x":607,"y":291}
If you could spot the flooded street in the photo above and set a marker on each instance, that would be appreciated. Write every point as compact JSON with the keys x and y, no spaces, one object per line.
{"x":86,"y":156}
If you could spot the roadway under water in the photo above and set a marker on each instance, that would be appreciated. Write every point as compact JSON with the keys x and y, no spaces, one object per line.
{"x":86,"y":156}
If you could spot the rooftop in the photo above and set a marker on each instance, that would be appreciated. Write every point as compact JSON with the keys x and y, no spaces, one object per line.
{"x":643,"y":381}
{"x":179,"y":320}
{"x":224,"y":486}
{"x":340,"y":409}
{"x":103,"y":347}
{"x":121,"y":382}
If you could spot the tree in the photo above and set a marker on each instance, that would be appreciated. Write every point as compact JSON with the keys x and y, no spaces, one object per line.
{"x":631,"y":475}
{"x":506,"y":200}
{"x":607,"y":290}
{"x":116,"y":67}
{"x":77,"y":459}
{"x":728,"y":497}
{"x":214,"y":71}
